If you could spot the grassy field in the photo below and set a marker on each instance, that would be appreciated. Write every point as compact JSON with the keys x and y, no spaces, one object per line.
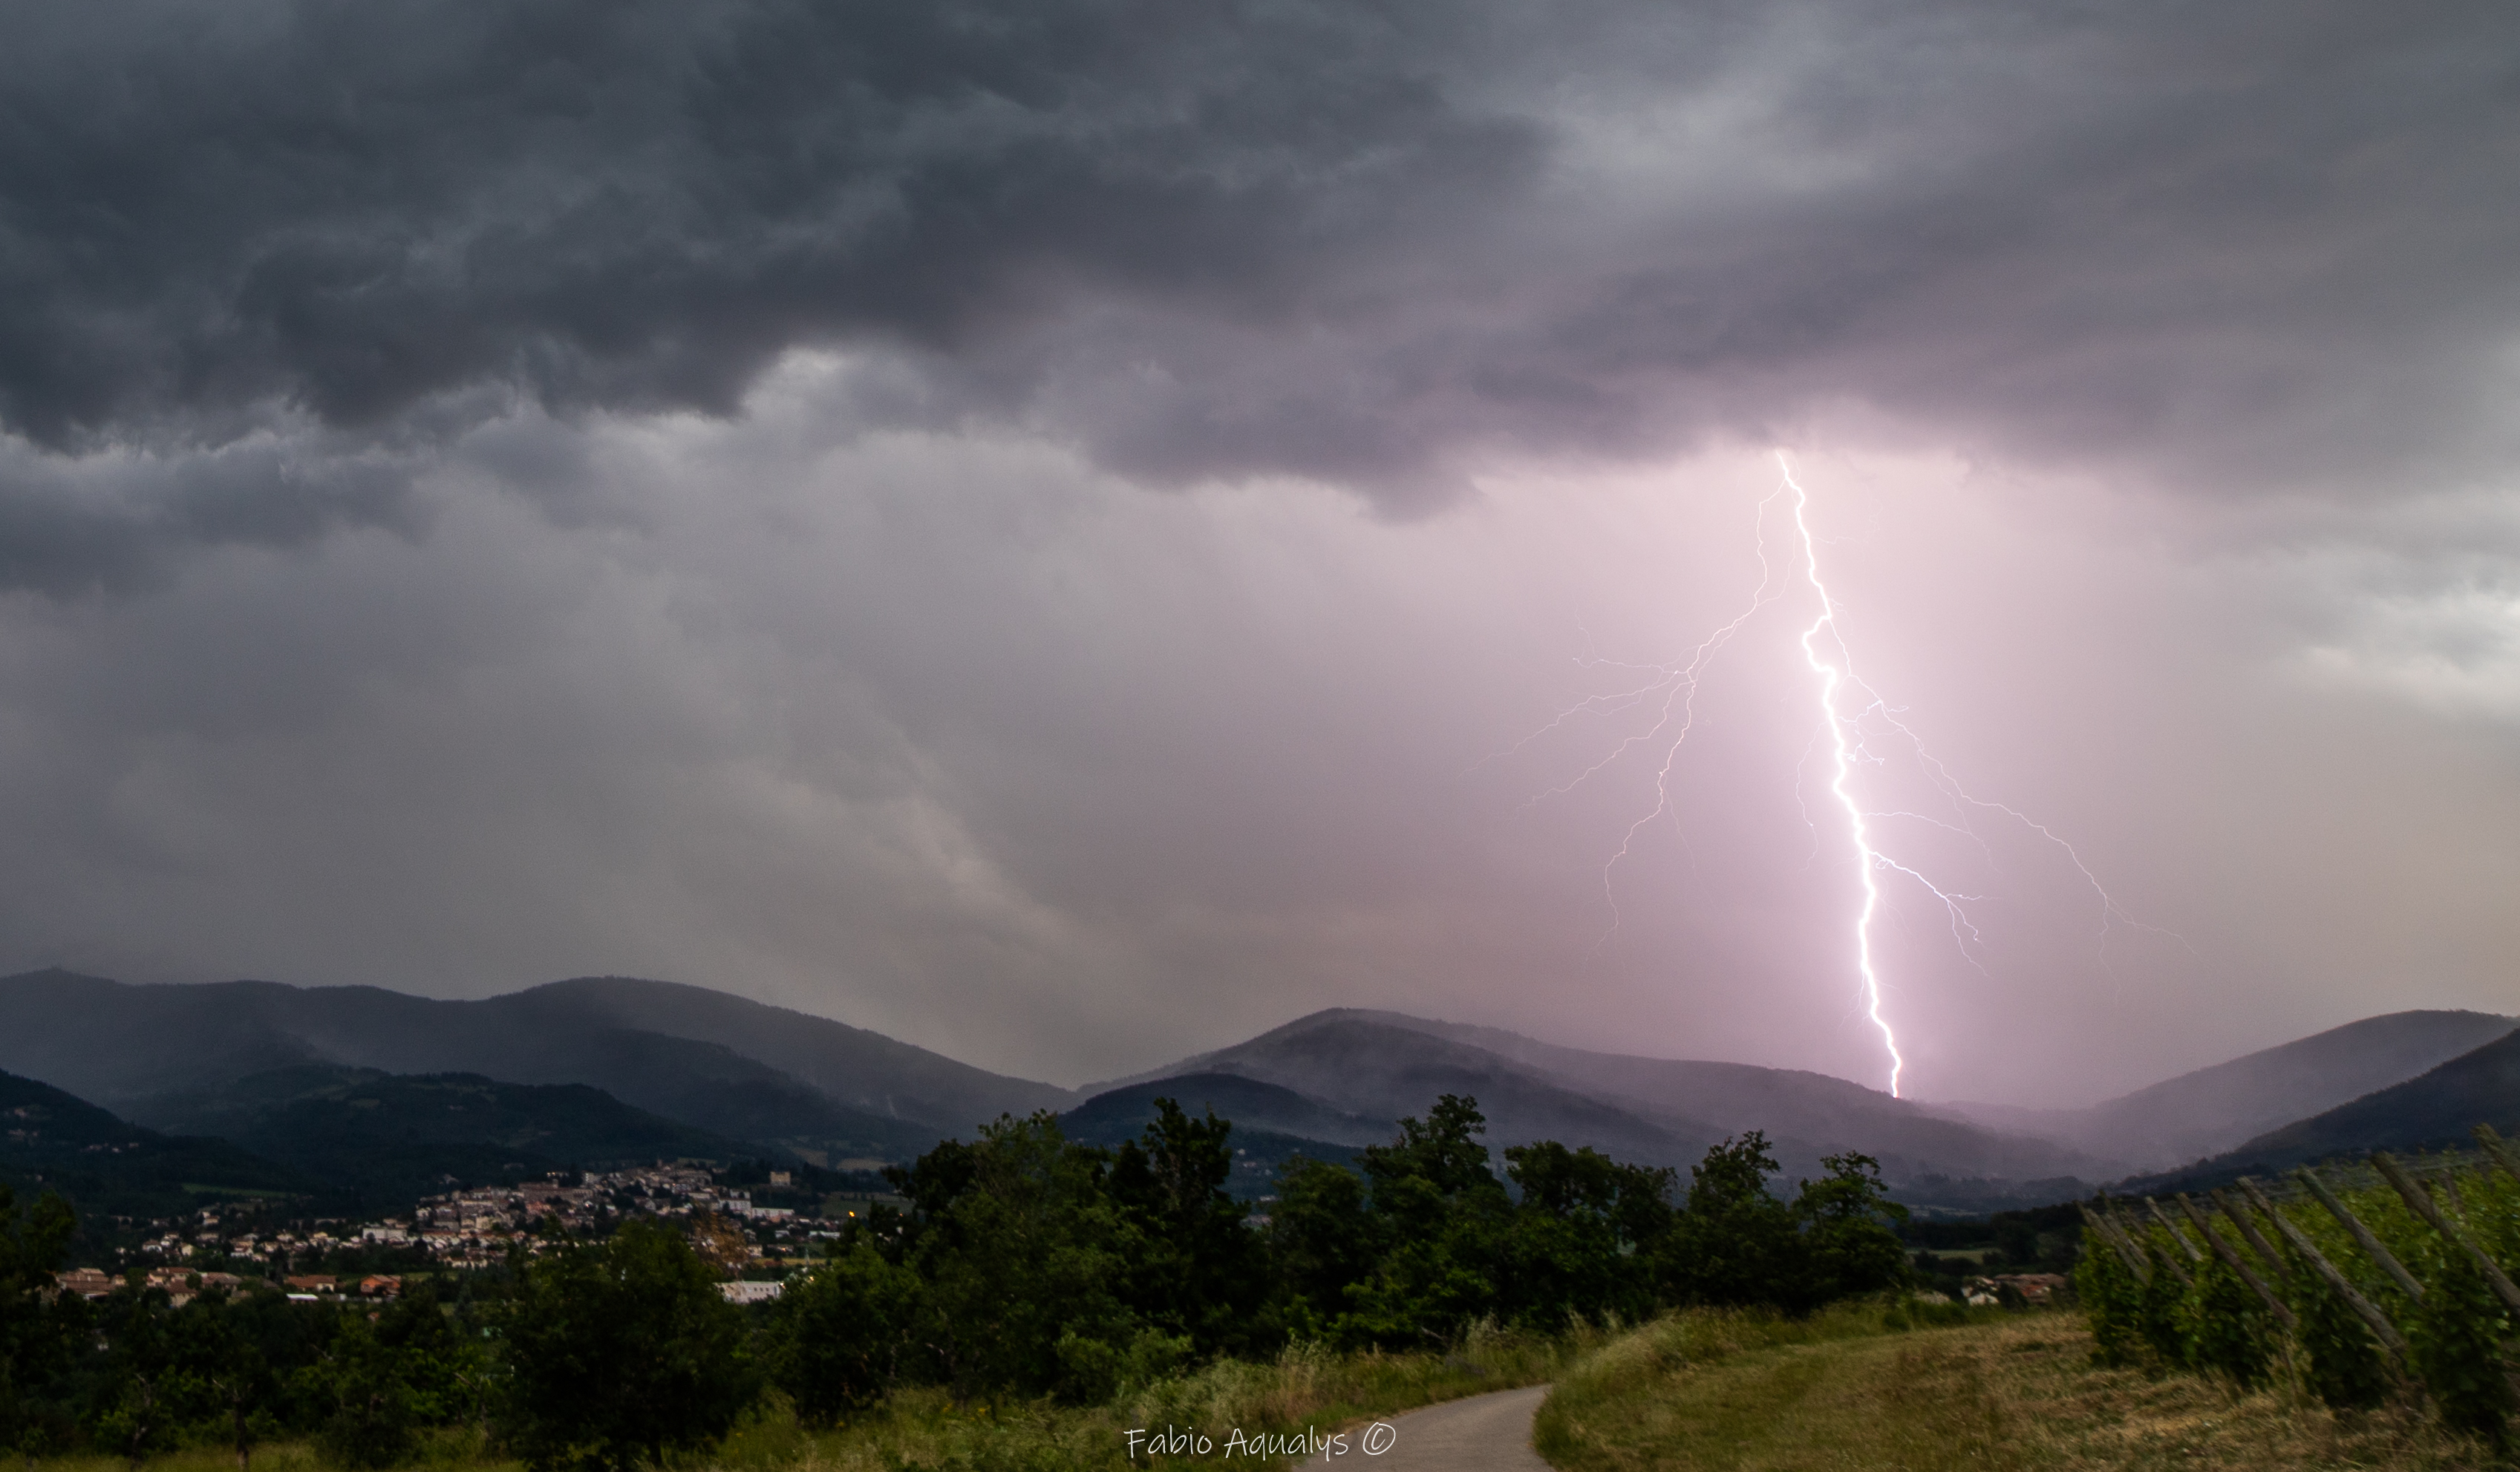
{"x":1838,"y":1391}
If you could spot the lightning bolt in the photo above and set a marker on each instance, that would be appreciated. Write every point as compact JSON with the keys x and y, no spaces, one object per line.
{"x":1846,"y":739}
{"x":1847,"y":703}
{"x":1677,"y":686}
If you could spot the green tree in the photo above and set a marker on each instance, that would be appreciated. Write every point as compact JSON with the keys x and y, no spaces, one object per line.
{"x":38,"y":1330}
{"x":1018,"y":1243}
{"x":218,"y":1374}
{"x":621,"y":1352}
{"x":1195,"y":1269}
{"x":841,"y":1334}
{"x":374,"y":1420}
{"x":1576,"y":1235}
{"x":441,"y":1367}
{"x":1444,"y":1152}
{"x":1735,"y":1243}
{"x":1439,"y":1219}
{"x":1850,"y":1234}
{"x":1321,"y":1238}
{"x":133,"y":1408}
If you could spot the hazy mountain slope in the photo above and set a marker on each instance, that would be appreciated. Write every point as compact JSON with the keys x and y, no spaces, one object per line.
{"x":2434,"y":1110}
{"x":2212,"y":1110}
{"x":102,"y":1039}
{"x":701,"y":1084}
{"x":116,"y":1043}
{"x":388,"y":1138}
{"x":1383,"y":1065}
{"x":1379,"y":1072}
{"x":1786,"y":1103}
{"x":105,"y":1165}
{"x":865,"y":1070}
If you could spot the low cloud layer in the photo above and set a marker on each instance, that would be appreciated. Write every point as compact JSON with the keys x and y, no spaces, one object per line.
{"x":1026,"y":526}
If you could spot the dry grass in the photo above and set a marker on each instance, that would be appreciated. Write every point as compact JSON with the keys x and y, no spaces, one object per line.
{"x":2020,"y":1392}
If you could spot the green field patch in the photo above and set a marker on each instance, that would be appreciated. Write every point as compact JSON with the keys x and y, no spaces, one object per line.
{"x":1699,"y":1391}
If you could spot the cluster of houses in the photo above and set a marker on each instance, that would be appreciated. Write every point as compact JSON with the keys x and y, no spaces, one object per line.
{"x":243,"y":1246}
{"x":473,"y":1228}
{"x":466,"y":1229}
{"x":183,"y":1285}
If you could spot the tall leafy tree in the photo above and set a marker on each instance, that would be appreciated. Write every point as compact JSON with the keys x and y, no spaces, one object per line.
{"x":1850,"y":1233}
{"x":1735,"y":1242}
{"x":1440,"y":1216}
{"x":373,"y":1413}
{"x":1019,"y":1244}
{"x":38,"y":1330}
{"x":845,"y":1332}
{"x":1196,"y":1268}
{"x":134,"y":1407}
{"x":621,"y":1352}
{"x":1578,"y":1233}
{"x":1321,"y":1238}
{"x":220,"y":1376}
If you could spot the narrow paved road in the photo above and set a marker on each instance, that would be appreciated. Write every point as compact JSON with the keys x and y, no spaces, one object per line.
{"x":1490,"y":1433}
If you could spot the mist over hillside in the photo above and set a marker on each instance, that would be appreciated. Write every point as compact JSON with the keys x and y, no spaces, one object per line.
{"x":2437,"y":1109}
{"x":878,"y":1099}
{"x":669,"y":1069}
{"x":2212,"y":1110}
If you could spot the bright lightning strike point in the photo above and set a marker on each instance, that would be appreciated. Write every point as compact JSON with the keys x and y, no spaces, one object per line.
{"x":1849,"y":707}
{"x":1845,"y":740}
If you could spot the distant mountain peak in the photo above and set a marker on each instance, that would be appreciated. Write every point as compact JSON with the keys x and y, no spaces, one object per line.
{"x":2213,"y":1109}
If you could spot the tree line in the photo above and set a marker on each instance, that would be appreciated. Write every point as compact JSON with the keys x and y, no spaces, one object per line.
{"x":1025,"y":1264}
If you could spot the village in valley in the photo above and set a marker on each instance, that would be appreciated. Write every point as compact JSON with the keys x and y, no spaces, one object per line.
{"x":755,"y":1232}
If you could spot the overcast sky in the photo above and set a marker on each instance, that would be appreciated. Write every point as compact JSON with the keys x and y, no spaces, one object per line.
{"x":1071,"y":533}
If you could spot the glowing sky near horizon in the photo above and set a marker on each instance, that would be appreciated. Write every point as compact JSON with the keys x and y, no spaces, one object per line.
{"x":1050,"y":535}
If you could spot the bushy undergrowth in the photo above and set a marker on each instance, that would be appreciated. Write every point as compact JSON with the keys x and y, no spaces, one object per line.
{"x":2167,"y":1312}
{"x":1304,"y":1387}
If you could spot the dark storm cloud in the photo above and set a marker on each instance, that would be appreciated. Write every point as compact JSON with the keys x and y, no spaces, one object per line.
{"x":1368,"y":243}
{"x":359,"y":207}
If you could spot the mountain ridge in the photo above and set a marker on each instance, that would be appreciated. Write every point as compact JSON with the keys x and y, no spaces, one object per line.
{"x":2207,"y":1111}
{"x":779,"y":1080}
{"x":2435,"y":1111}
{"x":115,"y":1043}
{"x":382,"y":1139}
